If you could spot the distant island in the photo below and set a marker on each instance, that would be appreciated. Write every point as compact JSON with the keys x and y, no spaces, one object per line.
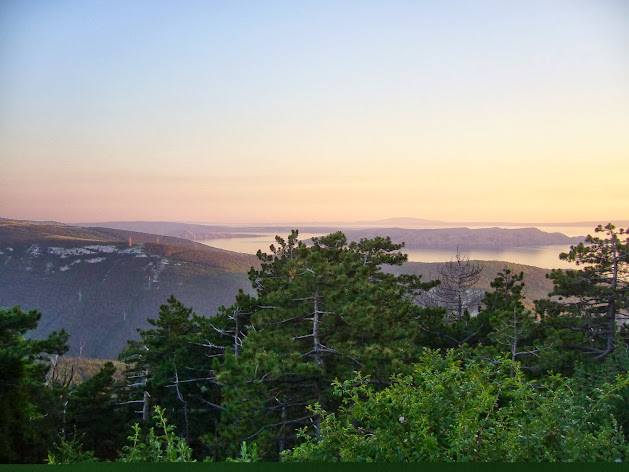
{"x":406,"y":221}
{"x":465,"y":238}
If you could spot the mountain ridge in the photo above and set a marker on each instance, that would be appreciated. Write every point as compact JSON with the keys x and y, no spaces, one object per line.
{"x":407,"y":221}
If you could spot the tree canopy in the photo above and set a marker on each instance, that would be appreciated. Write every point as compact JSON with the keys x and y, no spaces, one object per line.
{"x":334,"y":358}
{"x":595,"y":299}
{"x":27,"y":405}
{"x":453,"y":410}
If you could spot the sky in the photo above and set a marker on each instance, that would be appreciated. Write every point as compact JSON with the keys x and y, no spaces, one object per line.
{"x":306,"y":111}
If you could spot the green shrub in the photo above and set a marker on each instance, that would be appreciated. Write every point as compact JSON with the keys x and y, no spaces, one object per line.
{"x":448,"y":411}
{"x":166,"y":447}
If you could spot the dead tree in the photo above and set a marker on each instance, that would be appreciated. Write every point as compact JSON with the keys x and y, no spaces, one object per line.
{"x":457,"y":277}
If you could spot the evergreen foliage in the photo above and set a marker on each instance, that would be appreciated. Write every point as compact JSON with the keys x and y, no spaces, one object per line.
{"x":593,"y":301}
{"x":28,"y":408}
{"x":334,"y":359}
{"x":169,"y":366}
{"x":92,"y":417}
{"x":514,"y":330}
{"x":321,"y":312}
{"x":70,"y":452}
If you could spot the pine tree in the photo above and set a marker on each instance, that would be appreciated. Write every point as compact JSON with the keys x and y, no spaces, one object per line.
{"x":592,"y":301}
{"x":171,"y":365}
{"x":29,"y":409}
{"x":514,"y":328}
{"x":93,"y":419}
{"x":321,"y":312}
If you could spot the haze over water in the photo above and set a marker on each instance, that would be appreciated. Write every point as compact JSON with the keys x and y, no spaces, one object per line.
{"x":539,"y":256}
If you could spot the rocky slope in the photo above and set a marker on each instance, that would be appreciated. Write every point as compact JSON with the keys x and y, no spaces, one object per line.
{"x":101,"y":287}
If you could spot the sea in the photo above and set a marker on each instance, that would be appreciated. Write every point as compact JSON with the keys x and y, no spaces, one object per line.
{"x":546,"y":257}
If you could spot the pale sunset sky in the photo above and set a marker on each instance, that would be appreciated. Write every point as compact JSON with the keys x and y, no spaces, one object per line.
{"x":305,"y":111}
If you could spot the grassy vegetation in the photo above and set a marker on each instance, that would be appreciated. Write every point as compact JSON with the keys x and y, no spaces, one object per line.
{"x":77,"y":369}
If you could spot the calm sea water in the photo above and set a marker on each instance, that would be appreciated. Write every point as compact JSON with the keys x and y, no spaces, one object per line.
{"x":541,"y":256}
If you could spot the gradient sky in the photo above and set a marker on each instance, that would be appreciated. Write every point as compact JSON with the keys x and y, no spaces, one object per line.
{"x":293,"y":111}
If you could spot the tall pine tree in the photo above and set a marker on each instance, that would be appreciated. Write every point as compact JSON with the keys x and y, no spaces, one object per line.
{"x":171,"y":366}
{"x":29,"y":409}
{"x":321,"y":312}
{"x":593,"y":300}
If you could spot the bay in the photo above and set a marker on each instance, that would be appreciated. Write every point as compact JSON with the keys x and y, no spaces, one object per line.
{"x":546,"y":257}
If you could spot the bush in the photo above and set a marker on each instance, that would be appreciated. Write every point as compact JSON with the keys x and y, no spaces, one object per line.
{"x":447,"y":411}
{"x":166,"y":447}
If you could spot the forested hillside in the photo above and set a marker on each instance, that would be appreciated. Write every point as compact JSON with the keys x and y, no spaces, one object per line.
{"x":330,"y":357}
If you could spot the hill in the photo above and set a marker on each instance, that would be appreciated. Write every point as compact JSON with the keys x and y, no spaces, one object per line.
{"x":198,"y":232}
{"x":537,"y":286}
{"x":194,"y":232}
{"x":101,"y":286}
{"x":467,"y":238}
{"x":405,"y":221}
{"x":68,"y":370}
{"x":419,"y":221}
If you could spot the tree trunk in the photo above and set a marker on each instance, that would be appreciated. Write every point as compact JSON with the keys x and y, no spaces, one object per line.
{"x":514,"y":346}
{"x":315,"y":331}
{"x":237,"y":333}
{"x":145,"y":407}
